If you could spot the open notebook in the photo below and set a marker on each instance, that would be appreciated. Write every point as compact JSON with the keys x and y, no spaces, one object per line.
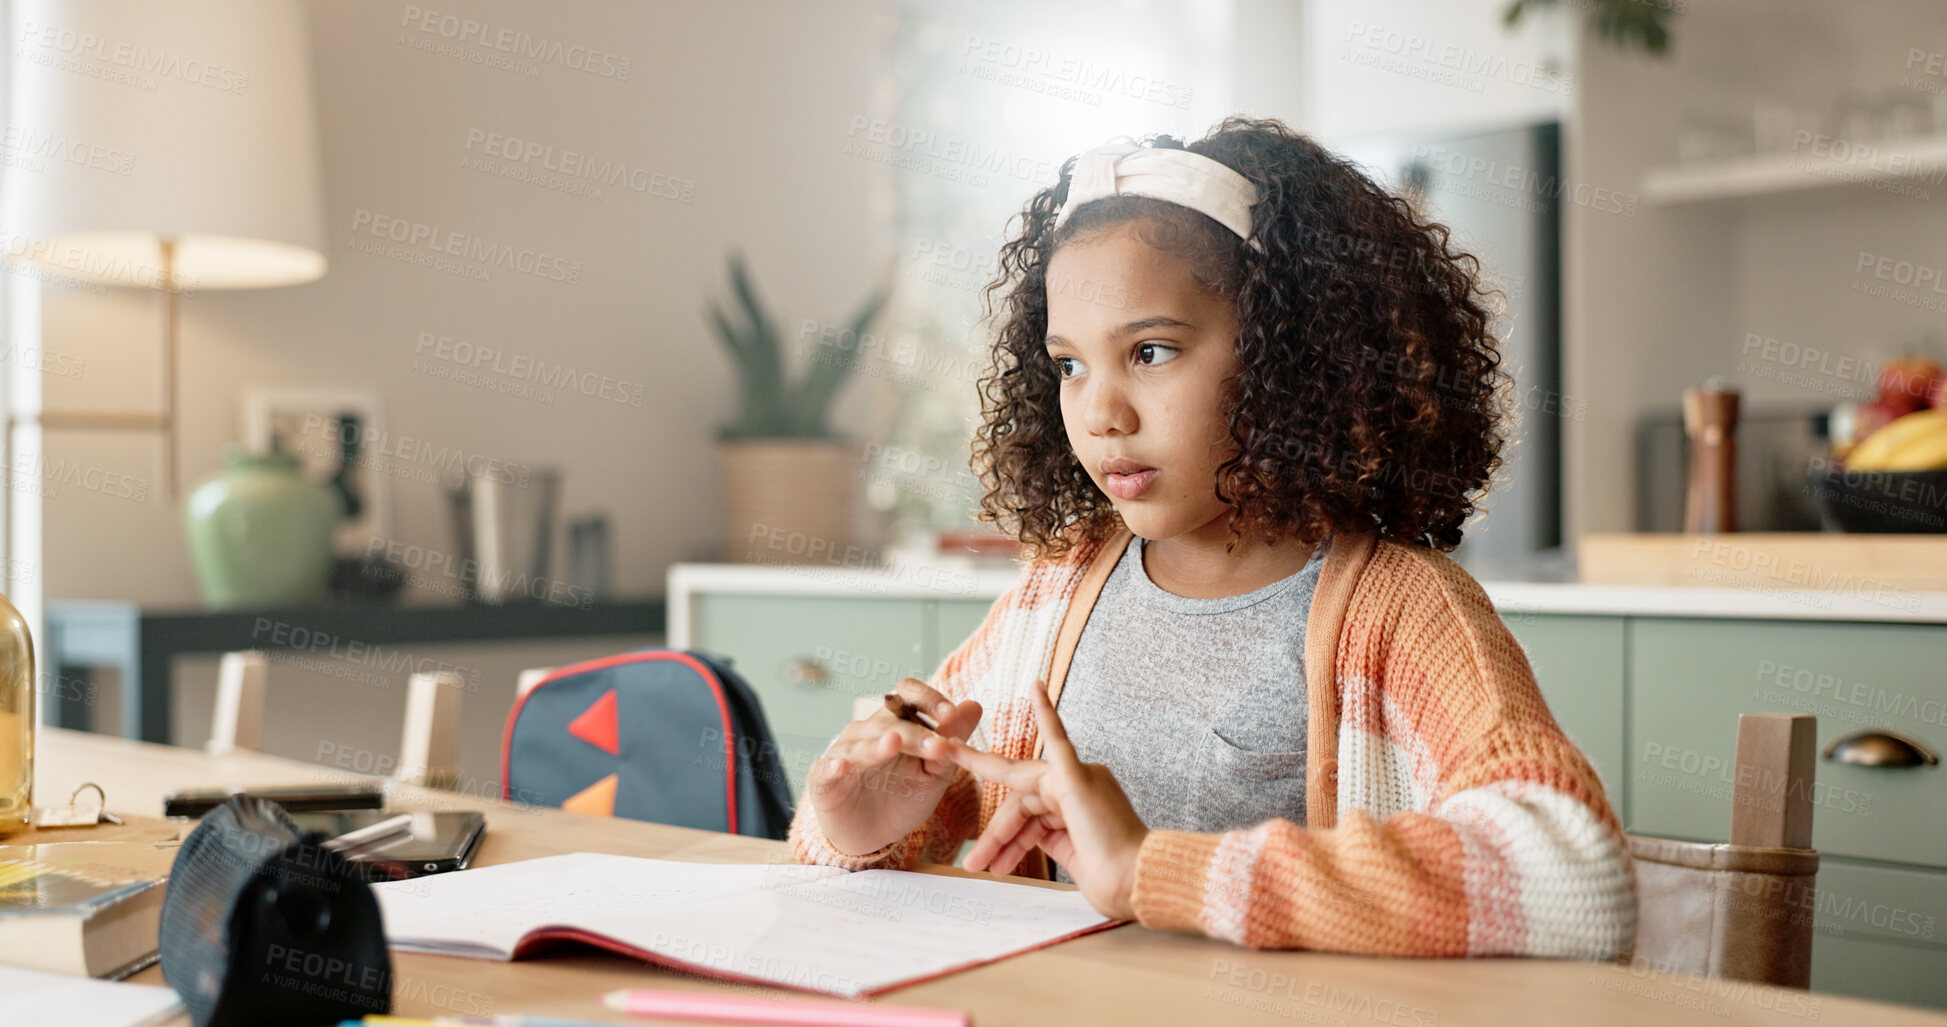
{"x":810,"y":928}
{"x":38,"y":997}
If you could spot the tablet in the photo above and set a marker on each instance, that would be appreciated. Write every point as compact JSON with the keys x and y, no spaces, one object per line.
{"x":433,"y":843}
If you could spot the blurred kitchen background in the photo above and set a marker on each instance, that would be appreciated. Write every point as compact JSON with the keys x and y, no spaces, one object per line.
{"x":575,"y":311}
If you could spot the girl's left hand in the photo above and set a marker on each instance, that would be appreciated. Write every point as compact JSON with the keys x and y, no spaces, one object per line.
{"x":1074,"y":811}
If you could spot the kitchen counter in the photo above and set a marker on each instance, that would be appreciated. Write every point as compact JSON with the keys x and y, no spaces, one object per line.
{"x":966,"y":580}
{"x":1762,"y":603}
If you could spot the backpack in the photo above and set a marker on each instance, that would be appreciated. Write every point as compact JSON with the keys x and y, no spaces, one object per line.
{"x":664,"y":735}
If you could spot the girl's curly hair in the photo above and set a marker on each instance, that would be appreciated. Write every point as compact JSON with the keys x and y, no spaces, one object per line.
{"x":1370,"y":395}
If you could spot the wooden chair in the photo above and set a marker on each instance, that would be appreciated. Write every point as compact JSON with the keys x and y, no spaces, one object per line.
{"x":428,"y":751}
{"x":238,"y":722}
{"x":1742,"y":910}
{"x":529,"y":678}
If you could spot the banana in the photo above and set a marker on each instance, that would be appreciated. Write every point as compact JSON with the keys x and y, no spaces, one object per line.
{"x":1927,"y":453}
{"x":1915,"y":442}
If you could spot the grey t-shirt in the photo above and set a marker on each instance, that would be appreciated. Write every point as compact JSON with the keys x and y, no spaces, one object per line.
{"x":1196,"y":705}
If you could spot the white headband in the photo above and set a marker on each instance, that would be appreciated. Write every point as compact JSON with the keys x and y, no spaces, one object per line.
{"x":1179,"y":176}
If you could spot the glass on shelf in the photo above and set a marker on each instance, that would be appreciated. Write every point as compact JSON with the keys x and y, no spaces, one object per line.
{"x":1864,"y":120}
{"x":1781,"y":124}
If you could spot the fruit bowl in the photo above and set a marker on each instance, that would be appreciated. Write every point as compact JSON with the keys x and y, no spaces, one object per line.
{"x":1907,"y":502}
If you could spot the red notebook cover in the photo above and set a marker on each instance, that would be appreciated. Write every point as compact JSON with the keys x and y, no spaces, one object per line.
{"x":548,"y":937}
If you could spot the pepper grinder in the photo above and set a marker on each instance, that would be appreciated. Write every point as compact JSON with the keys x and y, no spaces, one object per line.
{"x":1710,"y":422}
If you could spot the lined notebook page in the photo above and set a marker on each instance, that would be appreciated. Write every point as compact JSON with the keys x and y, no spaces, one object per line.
{"x":819,"y":928}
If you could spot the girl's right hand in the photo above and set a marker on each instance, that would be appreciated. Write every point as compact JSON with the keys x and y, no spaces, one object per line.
{"x":879,"y":780}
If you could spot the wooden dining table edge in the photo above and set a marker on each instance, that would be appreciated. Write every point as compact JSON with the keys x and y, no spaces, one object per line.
{"x":1123,"y":971}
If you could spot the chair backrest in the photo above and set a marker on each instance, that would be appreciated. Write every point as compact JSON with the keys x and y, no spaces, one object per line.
{"x":429,"y":751}
{"x":529,"y":678}
{"x":238,"y":719}
{"x":1741,"y":910}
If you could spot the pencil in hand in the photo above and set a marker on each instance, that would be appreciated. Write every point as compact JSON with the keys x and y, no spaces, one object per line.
{"x":907,"y":711}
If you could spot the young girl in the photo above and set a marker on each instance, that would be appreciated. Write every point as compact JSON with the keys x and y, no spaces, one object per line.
{"x":1243,"y":402}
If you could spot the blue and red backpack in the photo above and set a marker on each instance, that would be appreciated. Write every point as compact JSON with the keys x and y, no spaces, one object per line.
{"x":663,"y":735}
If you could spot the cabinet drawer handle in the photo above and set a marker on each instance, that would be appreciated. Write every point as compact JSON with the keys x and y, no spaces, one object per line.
{"x":1880,"y":748}
{"x":806,"y":671}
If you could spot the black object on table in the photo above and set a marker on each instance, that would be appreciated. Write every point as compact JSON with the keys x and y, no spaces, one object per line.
{"x":86,"y":634}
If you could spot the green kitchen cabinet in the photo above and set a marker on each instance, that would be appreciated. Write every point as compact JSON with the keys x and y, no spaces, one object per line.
{"x":1877,"y":932}
{"x":1578,"y":663}
{"x":1689,"y":680}
{"x":809,"y":657}
{"x":1880,"y":831}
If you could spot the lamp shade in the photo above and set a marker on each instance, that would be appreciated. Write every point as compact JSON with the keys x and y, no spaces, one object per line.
{"x":134,"y":122}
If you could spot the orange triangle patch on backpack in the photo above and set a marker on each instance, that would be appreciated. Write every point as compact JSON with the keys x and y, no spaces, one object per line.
{"x":596,"y":800}
{"x":598,"y":726}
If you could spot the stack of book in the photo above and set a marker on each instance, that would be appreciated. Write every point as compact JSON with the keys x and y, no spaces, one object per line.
{"x":91,"y":908}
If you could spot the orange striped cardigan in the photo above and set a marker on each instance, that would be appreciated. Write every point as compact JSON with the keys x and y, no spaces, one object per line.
{"x":1447,"y":813}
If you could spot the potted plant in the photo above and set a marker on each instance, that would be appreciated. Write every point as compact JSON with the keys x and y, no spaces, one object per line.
{"x":1620,"y":23}
{"x":789,"y":480}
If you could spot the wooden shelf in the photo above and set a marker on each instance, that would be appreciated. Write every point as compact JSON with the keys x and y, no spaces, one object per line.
{"x":1889,"y":164}
{"x":142,"y":643}
{"x":1894,"y":568}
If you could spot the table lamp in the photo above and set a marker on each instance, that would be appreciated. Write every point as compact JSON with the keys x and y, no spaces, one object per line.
{"x":187,"y":159}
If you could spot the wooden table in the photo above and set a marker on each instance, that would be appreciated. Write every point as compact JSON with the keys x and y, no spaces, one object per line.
{"x":1124,"y":976}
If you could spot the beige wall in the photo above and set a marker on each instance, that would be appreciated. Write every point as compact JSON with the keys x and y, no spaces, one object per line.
{"x":750,"y":100}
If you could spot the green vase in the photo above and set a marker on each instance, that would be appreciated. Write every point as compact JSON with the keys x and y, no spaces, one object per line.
{"x":260,"y":533}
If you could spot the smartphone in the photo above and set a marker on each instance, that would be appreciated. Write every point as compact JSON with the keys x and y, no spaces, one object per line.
{"x":434,"y":843}
{"x":195,"y":802}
